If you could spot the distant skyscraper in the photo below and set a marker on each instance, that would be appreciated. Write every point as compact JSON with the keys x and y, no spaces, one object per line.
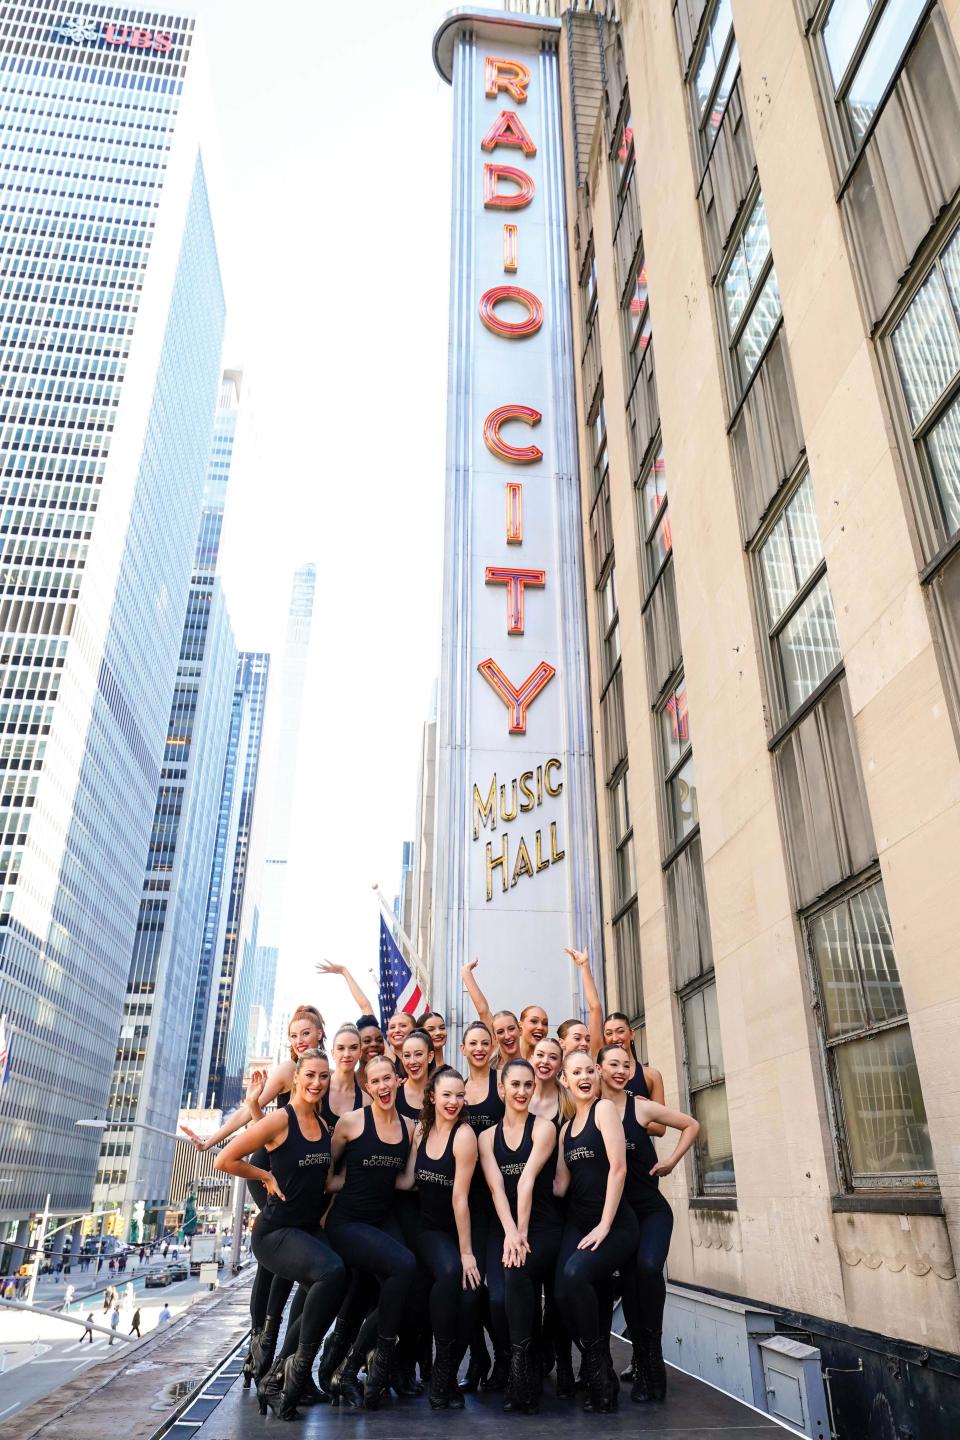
{"x":284,"y":722}
{"x":253,"y":670}
{"x":152,"y":1047}
{"x":111,"y":324}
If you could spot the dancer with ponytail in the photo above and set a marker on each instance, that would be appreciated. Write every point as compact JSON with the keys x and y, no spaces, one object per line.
{"x":344,"y":1094}
{"x":362,"y":1226}
{"x":286,"y":1236}
{"x":548,"y":1098}
{"x":600,"y":1235}
{"x":443,"y":1166}
{"x":483,"y":1108}
{"x":436,"y":1027}
{"x":643,"y":1080}
{"x":519,"y":1162}
{"x":551,"y":1102}
{"x":416,"y":1055}
{"x":643,"y":1288}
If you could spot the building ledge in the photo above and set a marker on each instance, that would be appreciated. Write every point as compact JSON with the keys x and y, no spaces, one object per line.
{"x":712,"y":1202}
{"x":888,"y":1203}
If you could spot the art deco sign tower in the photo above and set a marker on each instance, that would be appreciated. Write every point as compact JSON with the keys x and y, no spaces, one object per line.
{"x":516,"y":869}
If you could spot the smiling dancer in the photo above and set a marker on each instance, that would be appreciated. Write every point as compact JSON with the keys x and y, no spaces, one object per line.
{"x":344,"y":1094}
{"x":519,"y":1163}
{"x":362,"y":1224}
{"x":416,"y":1054}
{"x":600,"y":1235}
{"x":643,"y":1288}
{"x":286,"y":1236}
{"x":443,"y":1165}
{"x":436,"y":1027}
{"x":483,"y":1108}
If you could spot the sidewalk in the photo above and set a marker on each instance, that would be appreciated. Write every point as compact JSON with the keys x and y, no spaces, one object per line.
{"x":129,"y":1393}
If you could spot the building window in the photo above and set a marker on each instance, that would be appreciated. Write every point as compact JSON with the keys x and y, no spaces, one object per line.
{"x":864,"y":42}
{"x":751,"y":298}
{"x":708,"y":1091}
{"x":623,"y":153}
{"x":621,"y":834}
{"x":680,"y":784}
{"x":926,"y":345}
{"x":799,"y":606}
{"x":598,"y":440}
{"x":881,"y":1117}
{"x":714,"y":73}
{"x":609,"y":623}
{"x":588,"y":291}
{"x":653,"y":517}
{"x":626,"y":940}
{"x":637,"y":318}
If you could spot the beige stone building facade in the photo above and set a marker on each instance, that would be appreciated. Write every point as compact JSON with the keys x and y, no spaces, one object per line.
{"x":764,"y":210}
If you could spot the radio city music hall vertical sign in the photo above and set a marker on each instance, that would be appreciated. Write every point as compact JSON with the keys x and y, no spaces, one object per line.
{"x":515,"y":878}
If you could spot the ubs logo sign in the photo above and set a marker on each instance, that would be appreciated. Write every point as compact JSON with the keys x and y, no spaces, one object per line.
{"x":130,"y":37}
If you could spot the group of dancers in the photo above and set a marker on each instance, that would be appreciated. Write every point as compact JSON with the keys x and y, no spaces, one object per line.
{"x":419,"y":1207}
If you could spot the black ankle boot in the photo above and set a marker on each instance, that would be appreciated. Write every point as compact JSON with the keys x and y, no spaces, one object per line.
{"x":403,"y":1380}
{"x":296,"y":1373}
{"x":263,"y":1347}
{"x":334,"y":1351}
{"x":248,"y":1361}
{"x":479,"y":1366}
{"x":443,"y":1377}
{"x":566,"y":1384}
{"x":599,"y":1375}
{"x":497,"y":1379}
{"x":270,"y":1390}
{"x":655,"y":1371}
{"x":378,"y":1371}
{"x":345,"y":1387}
{"x":522,"y":1387}
{"x":631,"y":1371}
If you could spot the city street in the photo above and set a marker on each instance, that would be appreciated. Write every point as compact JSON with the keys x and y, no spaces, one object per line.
{"x":34,"y":1366}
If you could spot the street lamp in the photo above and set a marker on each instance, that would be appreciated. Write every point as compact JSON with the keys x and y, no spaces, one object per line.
{"x":101,"y":1125}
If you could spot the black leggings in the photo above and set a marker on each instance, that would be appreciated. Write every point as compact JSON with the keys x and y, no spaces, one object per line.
{"x":381,"y":1252}
{"x":297,"y":1255}
{"x":523,"y":1283}
{"x":644,"y":1290}
{"x":581,"y":1272}
{"x":261,"y":1284}
{"x":453,"y":1309}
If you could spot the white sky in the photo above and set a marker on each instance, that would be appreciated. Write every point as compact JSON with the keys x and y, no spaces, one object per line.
{"x":335,"y":254}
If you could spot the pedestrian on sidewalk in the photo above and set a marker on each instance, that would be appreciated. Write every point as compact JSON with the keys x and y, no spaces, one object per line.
{"x":114,"y":1321}
{"x":88,"y":1332}
{"x":68,"y":1295}
{"x":142,"y":1254}
{"x":58,"y":1272}
{"x":165,"y":1316}
{"x":135,"y":1325}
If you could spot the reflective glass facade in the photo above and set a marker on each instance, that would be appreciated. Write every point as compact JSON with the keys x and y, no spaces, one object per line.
{"x":105,"y":235}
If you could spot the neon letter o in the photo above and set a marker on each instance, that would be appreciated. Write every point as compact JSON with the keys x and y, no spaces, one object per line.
{"x":512,"y":329}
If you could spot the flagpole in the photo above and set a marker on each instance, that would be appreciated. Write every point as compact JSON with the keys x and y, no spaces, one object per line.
{"x":392,"y":922}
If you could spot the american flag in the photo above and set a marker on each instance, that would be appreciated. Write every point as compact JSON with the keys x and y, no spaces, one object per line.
{"x":398,"y":988}
{"x":4,"y":1052}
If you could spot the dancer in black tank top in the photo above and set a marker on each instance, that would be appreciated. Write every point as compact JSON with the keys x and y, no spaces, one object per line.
{"x":519,"y":1164}
{"x":345,"y":1094}
{"x":373,"y":1145}
{"x":286,"y":1237}
{"x":416,"y":1055}
{"x":484,"y":1108}
{"x":600,"y":1234}
{"x":643,"y":1081}
{"x":643,"y":1287}
{"x":442,"y":1167}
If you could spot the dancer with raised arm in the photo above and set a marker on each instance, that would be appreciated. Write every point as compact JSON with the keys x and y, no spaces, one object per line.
{"x":287,"y":1239}
{"x":600,"y":1235}
{"x":643,"y":1287}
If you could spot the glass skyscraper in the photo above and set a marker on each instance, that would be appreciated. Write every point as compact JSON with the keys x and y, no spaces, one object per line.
{"x":111,"y":324}
{"x":152,"y":1046}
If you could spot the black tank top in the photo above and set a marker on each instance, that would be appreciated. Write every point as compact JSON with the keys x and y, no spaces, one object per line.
{"x":637,"y":1084}
{"x":328,"y":1114}
{"x":586,"y":1157}
{"x":511,"y":1163}
{"x":641,"y":1156}
{"x":435,"y":1187}
{"x":404,"y":1106}
{"x":283,"y":1098}
{"x":371,"y":1165}
{"x":481,"y":1114}
{"x":300,"y":1166}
